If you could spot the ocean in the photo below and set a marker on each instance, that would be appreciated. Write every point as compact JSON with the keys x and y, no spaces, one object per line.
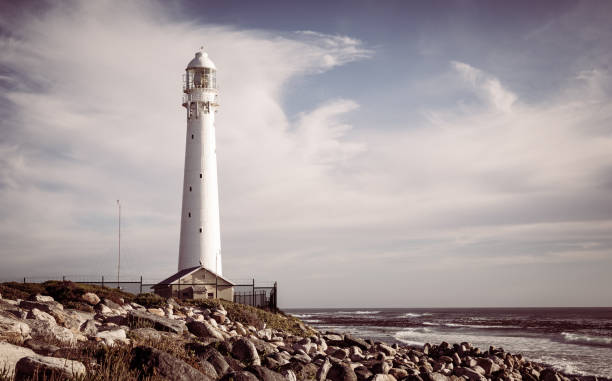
{"x":572,"y":340}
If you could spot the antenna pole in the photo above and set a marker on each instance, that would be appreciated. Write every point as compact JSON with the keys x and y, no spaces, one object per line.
{"x":119,"y":261}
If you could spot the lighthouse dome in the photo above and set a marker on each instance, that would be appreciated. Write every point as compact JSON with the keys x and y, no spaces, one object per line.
{"x":201,"y":60}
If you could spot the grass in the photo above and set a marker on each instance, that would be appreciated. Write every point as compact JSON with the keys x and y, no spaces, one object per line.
{"x":66,"y":292}
{"x":256,"y":317}
{"x":150,"y":300}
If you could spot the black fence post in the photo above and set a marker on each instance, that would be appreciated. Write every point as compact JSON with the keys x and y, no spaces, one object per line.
{"x":275,"y":297}
{"x":102,"y":280}
{"x":24,"y":280}
{"x":141,"y":284}
{"x":253,"y":299}
{"x":63,"y":278}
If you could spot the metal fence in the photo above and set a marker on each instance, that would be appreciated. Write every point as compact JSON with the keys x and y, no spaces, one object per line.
{"x":258,"y":294}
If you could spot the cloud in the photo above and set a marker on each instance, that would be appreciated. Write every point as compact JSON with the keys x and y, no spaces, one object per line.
{"x":475,"y":194}
{"x":487,"y":86}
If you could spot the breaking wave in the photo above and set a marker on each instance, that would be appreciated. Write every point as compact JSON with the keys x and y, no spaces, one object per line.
{"x":575,"y":338}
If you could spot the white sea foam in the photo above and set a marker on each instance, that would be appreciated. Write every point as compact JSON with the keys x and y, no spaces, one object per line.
{"x":414,"y":314}
{"x":366,"y":312}
{"x":430,"y":323}
{"x":575,"y":338}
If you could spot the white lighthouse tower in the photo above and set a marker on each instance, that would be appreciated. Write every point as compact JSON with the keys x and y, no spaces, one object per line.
{"x":200,"y":242}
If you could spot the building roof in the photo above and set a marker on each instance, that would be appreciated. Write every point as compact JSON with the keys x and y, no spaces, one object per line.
{"x":183,"y":273}
{"x":201,"y":60}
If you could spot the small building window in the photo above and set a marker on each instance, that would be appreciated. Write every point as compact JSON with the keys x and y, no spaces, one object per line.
{"x":189,"y":214}
{"x":200,"y":230}
{"x":191,"y":136}
{"x":200,"y":175}
{"x":189,"y":189}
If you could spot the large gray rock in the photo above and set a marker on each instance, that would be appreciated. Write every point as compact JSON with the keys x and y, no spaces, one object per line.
{"x":245,"y":351}
{"x":37,"y":314}
{"x":12,"y":328}
{"x":341,"y":372}
{"x":158,"y":322}
{"x":468,"y":373}
{"x":153,"y":361}
{"x":265,"y":374}
{"x":363,"y":373}
{"x":40,"y":347}
{"x":42,"y":298}
{"x":209,"y":369}
{"x":11,"y":354}
{"x":44,"y":368}
{"x":239,"y":376}
{"x":91,"y":298}
{"x":488,"y":365}
{"x":355,"y":341}
{"x":204,"y":329}
{"x":383,"y":377}
{"x":210,"y":354}
{"x":323,"y":370}
{"x":46,"y":332}
{"x":89,"y":328}
{"x":113,"y":337}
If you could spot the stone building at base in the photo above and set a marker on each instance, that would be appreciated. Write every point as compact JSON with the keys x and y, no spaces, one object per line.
{"x":195,"y":283}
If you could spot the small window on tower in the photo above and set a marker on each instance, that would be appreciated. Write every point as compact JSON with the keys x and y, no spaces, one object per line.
{"x":191,"y":136}
{"x":200,"y":230}
{"x":189,"y":189}
{"x":189,"y":214}
{"x":200,"y":175}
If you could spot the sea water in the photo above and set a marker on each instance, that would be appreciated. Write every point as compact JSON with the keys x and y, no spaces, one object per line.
{"x":572,"y":340}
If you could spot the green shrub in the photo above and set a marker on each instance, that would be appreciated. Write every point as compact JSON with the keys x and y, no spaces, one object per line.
{"x":16,"y":290}
{"x":150,"y":300}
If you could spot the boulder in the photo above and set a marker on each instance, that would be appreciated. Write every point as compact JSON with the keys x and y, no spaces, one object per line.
{"x":398,"y":373}
{"x":89,"y":328}
{"x":152,"y":361}
{"x":383,"y":377}
{"x":341,"y":372}
{"x":13,"y":328}
{"x":46,"y":332}
{"x":380,"y":367}
{"x":468,"y":373}
{"x":37,"y":314}
{"x":42,"y":298}
{"x":265,"y":374}
{"x":103,"y":309}
{"x":210,"y":354}
{"x":387,"y":350}
{"x":45,"y":368}
{"x":323,"y":370}
{"x":158,"y":322}
{"x":245,"y":351}
{"x":435,"y":376}
{"x":239,"y":376}
{"x":363,"y":373}
{"x":204,"y":329}
{"x":355,"y":341}
{"x":110,"y":338}
{"x":488,"y":365}
{"x":91,"y":298}
{"x":10,"y":355}
{"x":209,"y":370}
{"x":40,"y":347}
{"x":549,"y":374}
{"x":219,"y":317}
{"x":110,"y":304}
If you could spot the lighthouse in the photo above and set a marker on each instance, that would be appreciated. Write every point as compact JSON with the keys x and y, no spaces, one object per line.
{"x":200,"y":240}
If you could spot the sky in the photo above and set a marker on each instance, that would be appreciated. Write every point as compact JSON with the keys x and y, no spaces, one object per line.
{"x":370,"y":154}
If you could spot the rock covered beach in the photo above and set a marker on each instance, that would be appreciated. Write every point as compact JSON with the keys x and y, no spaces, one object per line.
{"x":101,"y":334}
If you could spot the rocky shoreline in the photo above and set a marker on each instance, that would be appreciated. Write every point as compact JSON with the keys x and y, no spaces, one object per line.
{"x":40,"y":338}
